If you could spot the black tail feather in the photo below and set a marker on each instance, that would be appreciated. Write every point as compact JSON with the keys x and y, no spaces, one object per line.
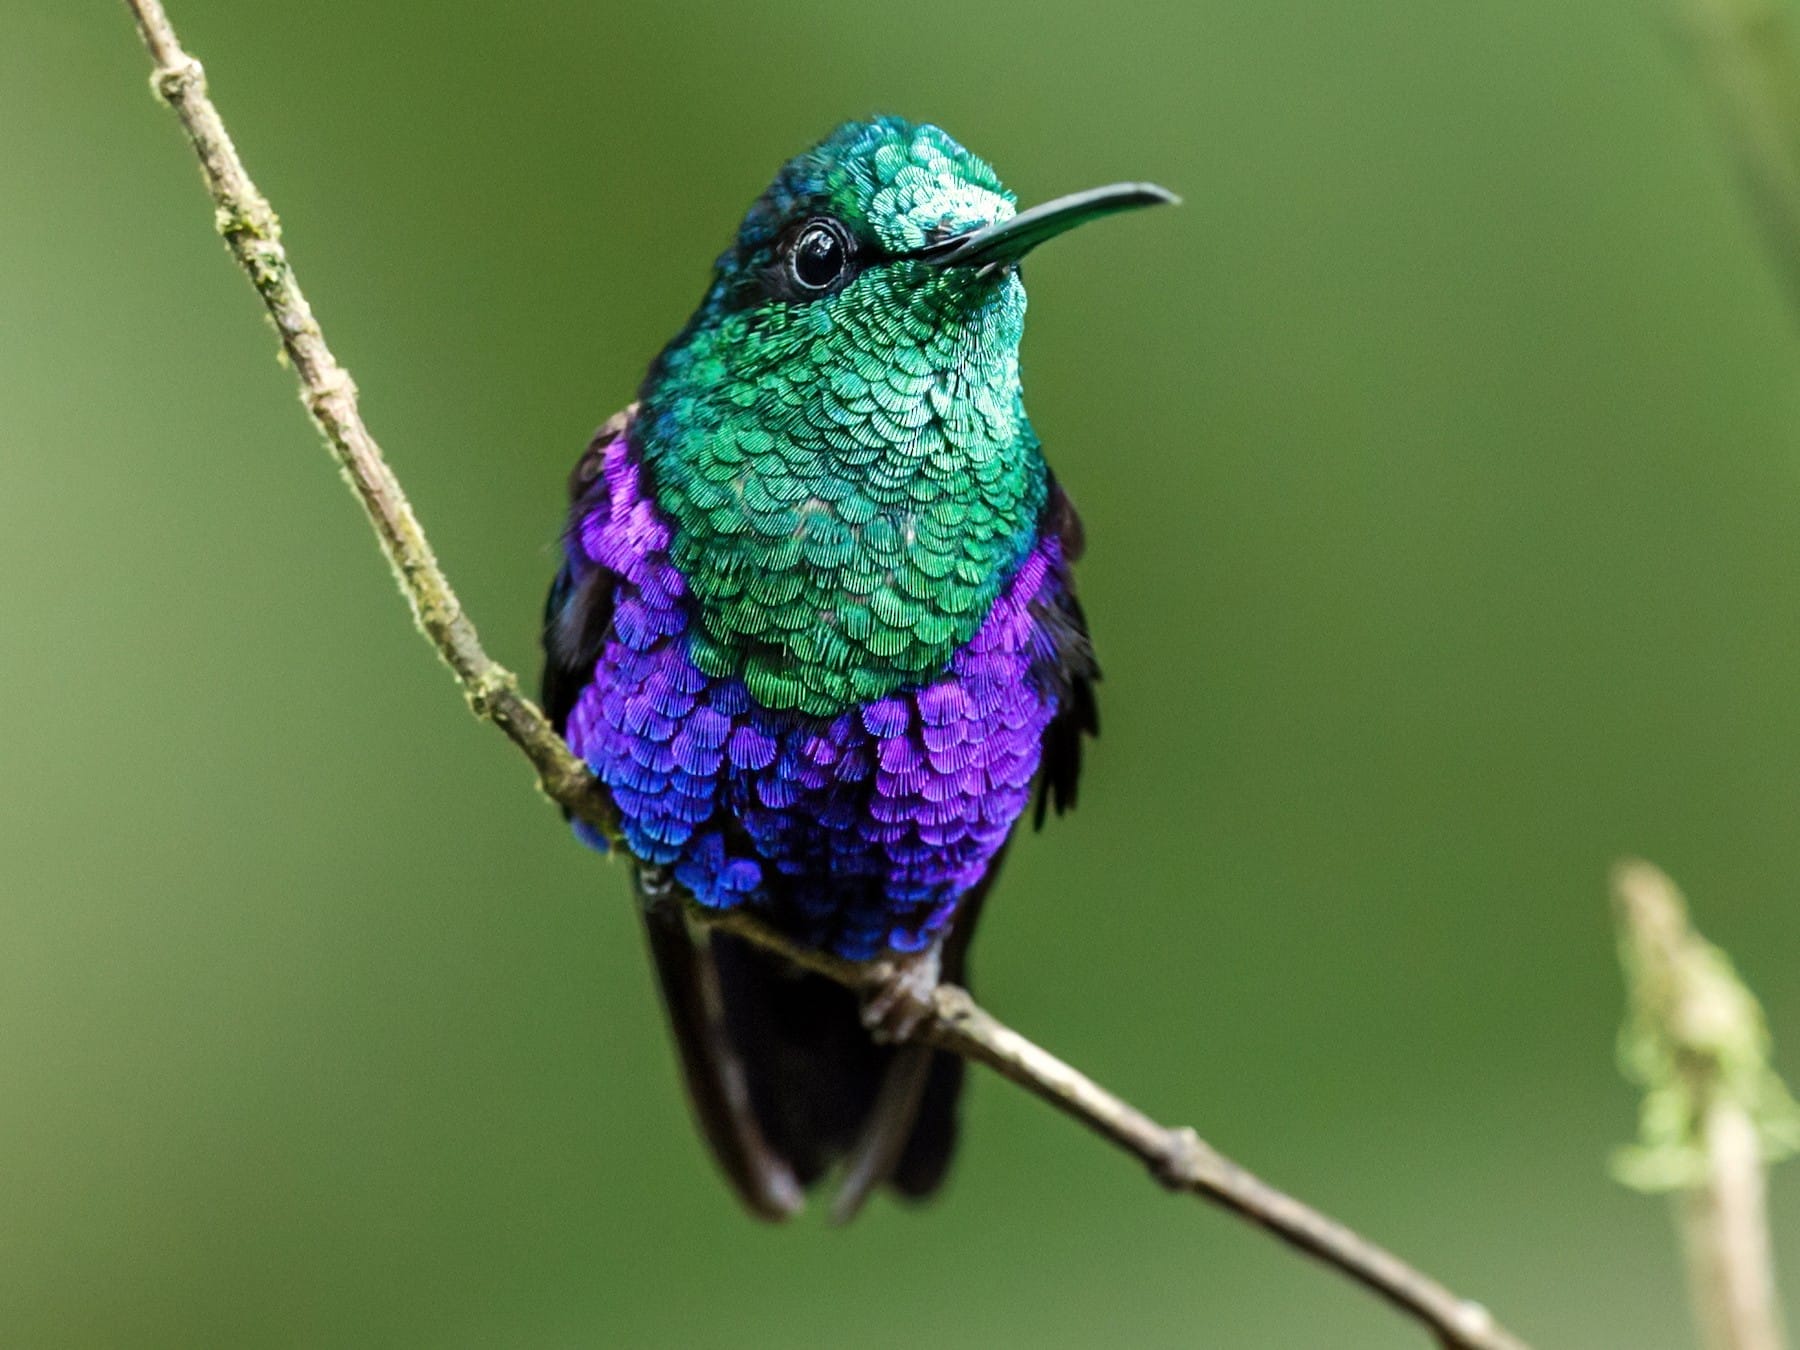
{"x":812,"y":1071}
{"x":925,"y":1160}
{"x":786,"y":1082}
{"x":715,"y":1074}
{"x":888,"y":1131}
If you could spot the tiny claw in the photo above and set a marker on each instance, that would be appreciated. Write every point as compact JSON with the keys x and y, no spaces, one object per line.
{"x":655,"y":884}
{"x":898,"y":995}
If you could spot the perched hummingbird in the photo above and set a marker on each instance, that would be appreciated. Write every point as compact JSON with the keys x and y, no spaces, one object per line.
{"x":816,"y":632}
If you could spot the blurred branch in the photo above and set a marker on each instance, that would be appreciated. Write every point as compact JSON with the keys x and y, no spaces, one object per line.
{"x":1749,"y":63}
{"x":952,"y":1021}
{"x":1714,"y":1113}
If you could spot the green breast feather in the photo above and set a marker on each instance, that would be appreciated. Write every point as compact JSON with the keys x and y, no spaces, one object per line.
{"x":846,"y":516}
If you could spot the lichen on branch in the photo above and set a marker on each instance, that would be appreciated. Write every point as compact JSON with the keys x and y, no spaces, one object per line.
{"x":1714,"y":1115}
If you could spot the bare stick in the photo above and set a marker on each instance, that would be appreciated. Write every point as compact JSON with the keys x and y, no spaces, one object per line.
{"x":1725,"y":1234}
{"x":1714,"y":1113}
{"x":243,"y":216}
{"x":1176,"y":1157}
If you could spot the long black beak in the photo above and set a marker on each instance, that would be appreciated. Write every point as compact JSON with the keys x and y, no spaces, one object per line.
{"x":1010,"y":240}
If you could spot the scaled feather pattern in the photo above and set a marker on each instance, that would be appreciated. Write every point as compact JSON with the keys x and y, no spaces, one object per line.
{"x":857,"y":832}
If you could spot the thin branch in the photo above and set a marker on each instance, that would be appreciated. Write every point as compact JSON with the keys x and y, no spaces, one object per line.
{"x":1176,"y":1157}
{"x":1714,"y":1112}
{"x":1725,"y":1233}
{"x":243,"y":216}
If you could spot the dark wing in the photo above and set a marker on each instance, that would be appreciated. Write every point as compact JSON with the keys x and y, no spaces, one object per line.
{"x":578,"y":610}
{"x":1067,"y":665}
{"x":577,"y":619}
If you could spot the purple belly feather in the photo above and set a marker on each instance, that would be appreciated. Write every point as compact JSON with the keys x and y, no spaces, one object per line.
{"x":856,"y":833}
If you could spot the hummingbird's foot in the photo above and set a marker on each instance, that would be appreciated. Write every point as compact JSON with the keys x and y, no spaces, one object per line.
{"x":898,"y":995}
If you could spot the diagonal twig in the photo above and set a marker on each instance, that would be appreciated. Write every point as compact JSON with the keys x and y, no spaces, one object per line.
{"x":1178,"y":1158}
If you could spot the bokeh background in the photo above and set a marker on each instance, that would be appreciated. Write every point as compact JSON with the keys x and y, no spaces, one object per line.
{"x":1441,"y":462}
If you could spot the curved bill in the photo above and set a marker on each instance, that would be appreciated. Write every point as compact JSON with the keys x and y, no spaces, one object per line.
{"x":1009,"y":240}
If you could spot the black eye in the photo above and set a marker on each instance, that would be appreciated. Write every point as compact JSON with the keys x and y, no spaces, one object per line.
{"x":820,"y":256}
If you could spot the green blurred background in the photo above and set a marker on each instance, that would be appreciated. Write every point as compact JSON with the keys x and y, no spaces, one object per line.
{"x":1439,"y":460}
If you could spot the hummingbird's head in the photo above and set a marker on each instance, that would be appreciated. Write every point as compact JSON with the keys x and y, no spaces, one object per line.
{"x":848,"y":225}
{"x":888,"y":237}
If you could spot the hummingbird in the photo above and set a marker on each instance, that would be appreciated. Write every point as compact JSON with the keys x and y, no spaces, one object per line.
{"x":816,"y":631}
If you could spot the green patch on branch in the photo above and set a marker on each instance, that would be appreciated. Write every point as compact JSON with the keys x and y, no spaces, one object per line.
{"x":1694,"y":1039}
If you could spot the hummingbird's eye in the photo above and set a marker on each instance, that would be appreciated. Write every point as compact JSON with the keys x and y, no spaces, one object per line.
{"x":819,"y":257}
